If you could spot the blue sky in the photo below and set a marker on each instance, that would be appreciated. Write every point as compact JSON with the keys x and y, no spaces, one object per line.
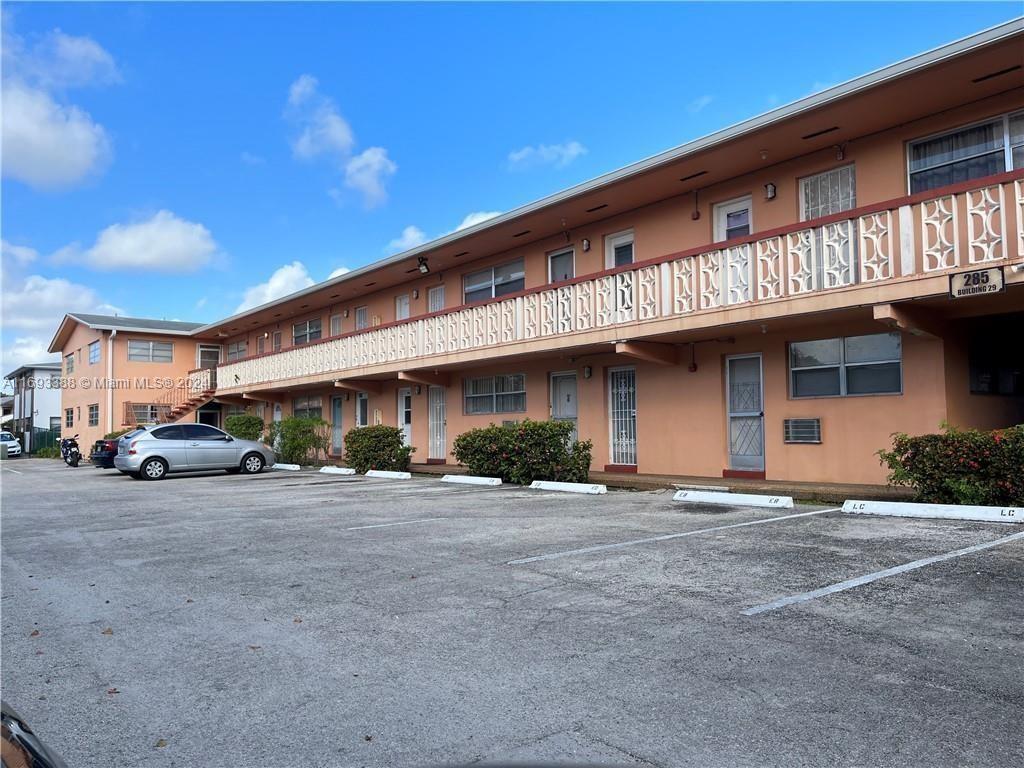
{"x":182,"y":160}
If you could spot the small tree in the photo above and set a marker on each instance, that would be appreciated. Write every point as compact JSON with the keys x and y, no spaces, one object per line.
{"x":244,"y":427}
{"x":522,"y":453}
{"x":377,"y":447}
{"x":302,"y":439}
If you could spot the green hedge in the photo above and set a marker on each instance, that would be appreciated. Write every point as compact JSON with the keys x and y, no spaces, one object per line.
{"x":524,"y":452}
{"x":50,"y":452}
{"x":244,"y":427}
{"x":300,"y":440}
{"x":117,"y":434}
{"x":960,"y":466}
{"x":377,"y":447}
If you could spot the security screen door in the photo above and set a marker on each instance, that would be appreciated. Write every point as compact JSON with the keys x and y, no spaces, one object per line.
{"x":437,"y":448}
{"x":622,"y":409}
{"x":746,"y":412}
{"x":563,"y":399}
{"x":405,"y":414}
{"x":337,"y":430}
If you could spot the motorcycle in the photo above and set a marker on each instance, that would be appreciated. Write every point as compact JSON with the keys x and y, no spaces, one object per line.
{"x":70,"y":452}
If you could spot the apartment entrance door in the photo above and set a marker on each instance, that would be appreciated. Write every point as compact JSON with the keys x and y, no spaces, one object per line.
{"x":745,"y":395}
{"x":337,"y":428}
{"x":622,"y":412}
{"x":563,"y":399}
{"x":405,"y":414}
{"x":436,"y":425}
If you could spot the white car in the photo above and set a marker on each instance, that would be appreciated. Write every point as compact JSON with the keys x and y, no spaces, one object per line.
{"x":12,"y":444}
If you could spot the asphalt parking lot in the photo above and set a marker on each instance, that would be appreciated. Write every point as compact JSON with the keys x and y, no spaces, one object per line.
{"x":301,"y":619}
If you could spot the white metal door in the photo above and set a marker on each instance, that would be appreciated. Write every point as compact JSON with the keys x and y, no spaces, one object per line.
{"x":563,"y":399}
{"x":405,"y":414}
{"x":438,"y":447}
{"x":622,"y":410}
{"x":337,"y":430}
{"x":402,"y":307}
{"x":746,"y":412}
{"x":435,"y":299}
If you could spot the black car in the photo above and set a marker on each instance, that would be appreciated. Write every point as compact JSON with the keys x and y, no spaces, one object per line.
{"x":103,"y":453}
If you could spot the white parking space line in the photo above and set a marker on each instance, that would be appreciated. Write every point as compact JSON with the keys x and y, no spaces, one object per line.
{"x":665,"y":537}
{"x":12,"y":470}
{"x":387,"y":525}
{"x":842,"y":586}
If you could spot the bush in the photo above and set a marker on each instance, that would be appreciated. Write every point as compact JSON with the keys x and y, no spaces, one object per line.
{"x":118,"y":433}
{"x":524,"y":452}
{"x":301,"y":440}
{"x":377,"y":447}
{"x":50,"y":452}
{"x":960,"y":466}
{"x":244,"y":426}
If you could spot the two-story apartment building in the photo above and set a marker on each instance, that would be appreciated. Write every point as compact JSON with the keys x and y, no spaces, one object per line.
{"x":36,"y":402}
{"x":774,"y":299}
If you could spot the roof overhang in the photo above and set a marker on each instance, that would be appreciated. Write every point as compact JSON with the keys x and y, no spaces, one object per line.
{"x":66,"y":327}
{"x":924,"y":84}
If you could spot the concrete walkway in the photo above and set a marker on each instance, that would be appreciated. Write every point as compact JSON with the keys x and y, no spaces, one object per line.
{"x":828,"y":492}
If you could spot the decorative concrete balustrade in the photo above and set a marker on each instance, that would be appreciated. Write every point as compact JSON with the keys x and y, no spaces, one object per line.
{"x":963,"y":227}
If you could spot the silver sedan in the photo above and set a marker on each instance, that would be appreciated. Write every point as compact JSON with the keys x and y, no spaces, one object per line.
{"x":152,"y":452}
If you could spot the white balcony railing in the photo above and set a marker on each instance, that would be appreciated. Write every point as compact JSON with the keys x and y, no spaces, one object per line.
{"x":913,"y":236}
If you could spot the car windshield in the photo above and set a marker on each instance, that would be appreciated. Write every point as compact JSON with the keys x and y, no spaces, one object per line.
{"x":6,"y":436}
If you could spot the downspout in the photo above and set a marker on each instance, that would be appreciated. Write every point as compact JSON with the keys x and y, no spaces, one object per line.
{"x":110,"y":381}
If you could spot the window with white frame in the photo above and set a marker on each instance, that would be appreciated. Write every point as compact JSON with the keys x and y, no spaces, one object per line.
{"x":362,"y":318}
{"x":307,"y":407}
{"x":237,"y":350}
{"x":69,"y":417}
{"x":854,"y":365}
{"x":94,"y":415}
{"x":69,"y":363}
{"x":94,"y":352}
{"x":435,"y":299}
{"x":150,"y":351}
{"x":618,"y":249}
{"x":966,"y":153}
{"x":495,"y":394}
{"x":362,"y":409}
{"x":402,"y":307}
{"x":494,"y":281}
{"x":275,"y":339}
{"x":336,"y":325}
{"x":261,"y":345}
{"x":733,"y":219}
{"x":561,"y":265}
{"x":145,"y":413}
{"x":306,"y":331}
{"x":824,"y":194}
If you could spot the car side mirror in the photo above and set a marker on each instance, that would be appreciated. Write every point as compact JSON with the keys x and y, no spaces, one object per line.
{"x":228,"y":439}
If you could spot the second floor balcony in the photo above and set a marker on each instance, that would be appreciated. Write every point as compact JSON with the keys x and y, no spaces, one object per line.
{"x":887,"y":252}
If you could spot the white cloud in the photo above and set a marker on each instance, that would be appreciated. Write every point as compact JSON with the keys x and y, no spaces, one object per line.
{"x":48,"y":145}
{"x":699,"y":103}
{"x":17,"y":255}
{"x":367,"y":173}
{"x":302,"y":89}
{"x":26,"y":349}
{"x":322,"y":129}
{"x":285,"y":280}
{"x":38,"y":303}
{"x":411,"y":237}
{"x":339,"y":272}
{"x":162,"y":243}
{"x":477,"y":217}
{"x":556,"y":155}
{"x":250,"y":159}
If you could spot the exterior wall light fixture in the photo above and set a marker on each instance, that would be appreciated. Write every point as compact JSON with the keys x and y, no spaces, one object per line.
{"x":586,"y":244}
{"x":421,"y":264}
{"x":587,"y":371}
{"x":769,"y":191}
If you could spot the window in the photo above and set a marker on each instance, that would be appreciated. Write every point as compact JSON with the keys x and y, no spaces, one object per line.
{"x":855,"y":365}
{"x":69,"y":417}
{"x":173,"y":432}
{"x":306,"y":331}
{"x":94,"y":415}
{"x":335,"y":325}
{"x":561,"y":265}
{"x":826,"y":193}
{"x":362,"y":409}
{"x":307,"y":407}
{"x":494,"y":281}
{"x":146,"y":413}
{"x":202,"y":432}
{"x":55,"y":423}
{"x":618,"y":250}
{"x":69,"y":363}
{"x":237,"y":350}
{"x":402,"y":307}
{"x":967,"y":153}
{"x":435,"y":299}
{"x":261,"y":345}
{"x":732,"y":219}
{"x":275,"y":339}
{"x":495,"y":394}
{"x":362,"y":319}
{"x":94,"y":352}
{"x":150,"y":351}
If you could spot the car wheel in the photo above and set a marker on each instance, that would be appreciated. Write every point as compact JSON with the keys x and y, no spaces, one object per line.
{"x":154,"y":469}
{"x":253,"y":464}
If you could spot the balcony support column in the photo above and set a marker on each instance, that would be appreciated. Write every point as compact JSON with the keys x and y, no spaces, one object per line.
{"x":649,"y":352}
{"x":370,"y":386}
{"x":425,"y":378}
{"x":915,"y":321}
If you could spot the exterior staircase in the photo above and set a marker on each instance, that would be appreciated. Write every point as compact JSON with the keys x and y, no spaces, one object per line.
{"x":198,"y":388}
